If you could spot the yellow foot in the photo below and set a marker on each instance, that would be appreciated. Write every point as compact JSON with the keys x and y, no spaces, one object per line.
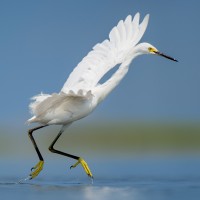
{"x":84,"y":165}
{"x":36,"y":169}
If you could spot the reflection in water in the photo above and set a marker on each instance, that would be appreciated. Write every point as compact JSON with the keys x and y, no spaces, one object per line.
{"x":104,"y":193}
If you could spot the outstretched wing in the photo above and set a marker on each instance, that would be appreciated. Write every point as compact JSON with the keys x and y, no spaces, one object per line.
{"x":106,"y":55}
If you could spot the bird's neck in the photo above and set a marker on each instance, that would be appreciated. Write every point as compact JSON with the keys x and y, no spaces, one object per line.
{"x":137,"y":51}
{"x":101,"y":91}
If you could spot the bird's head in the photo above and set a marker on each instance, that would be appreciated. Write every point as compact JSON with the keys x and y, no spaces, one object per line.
{"x":146,"y":48}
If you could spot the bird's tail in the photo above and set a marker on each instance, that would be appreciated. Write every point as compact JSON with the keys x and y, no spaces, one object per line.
{"x":36,"y":100}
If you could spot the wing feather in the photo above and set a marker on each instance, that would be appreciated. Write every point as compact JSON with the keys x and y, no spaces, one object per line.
{"x":122,"y":31}
{"x":129,"y":29}
{"x":142,"y":28}
{"x":106,"y":55}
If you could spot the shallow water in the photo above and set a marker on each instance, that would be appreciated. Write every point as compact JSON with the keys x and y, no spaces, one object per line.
{"x":142,"y":178}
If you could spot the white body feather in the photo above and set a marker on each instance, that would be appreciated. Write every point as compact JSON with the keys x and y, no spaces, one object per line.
{"x":82,"y":92}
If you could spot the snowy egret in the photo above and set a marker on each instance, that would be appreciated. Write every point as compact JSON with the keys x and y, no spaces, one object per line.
{"x":82,"y":91}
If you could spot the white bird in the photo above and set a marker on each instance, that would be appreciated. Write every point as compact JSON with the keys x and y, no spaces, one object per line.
{"x":82,"y":91}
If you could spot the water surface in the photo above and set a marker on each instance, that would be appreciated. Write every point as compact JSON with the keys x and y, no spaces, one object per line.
{"x":139,"y":178}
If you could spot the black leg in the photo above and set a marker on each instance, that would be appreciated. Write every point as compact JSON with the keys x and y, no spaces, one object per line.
{"x":37,"y":168}
{"x":51,"y":148}
{"x":79,"y":159}
{"x":30,"y":133}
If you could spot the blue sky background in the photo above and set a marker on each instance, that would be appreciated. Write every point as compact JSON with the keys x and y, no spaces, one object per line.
{"x":42,"y":41}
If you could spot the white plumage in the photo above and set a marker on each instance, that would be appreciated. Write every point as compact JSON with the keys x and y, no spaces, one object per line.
{"x":82,"y":91}
{"x":83,"y":82}
{"x":106,"y":55}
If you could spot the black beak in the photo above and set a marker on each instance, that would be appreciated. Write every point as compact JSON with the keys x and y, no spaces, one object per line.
{"x":163,"y":55}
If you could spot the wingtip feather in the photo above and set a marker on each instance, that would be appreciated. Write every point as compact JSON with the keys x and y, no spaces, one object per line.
{"x":147,"y":17}
{"x":128,"y":18}
{"x":136,"y":18}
